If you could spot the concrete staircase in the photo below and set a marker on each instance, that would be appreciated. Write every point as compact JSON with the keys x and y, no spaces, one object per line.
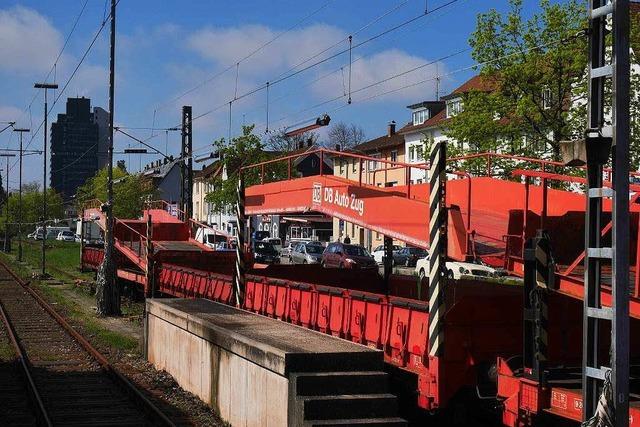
{"x":355,"y":398}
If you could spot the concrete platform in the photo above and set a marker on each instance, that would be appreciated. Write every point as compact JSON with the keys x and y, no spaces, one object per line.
{"x":247,"y":366}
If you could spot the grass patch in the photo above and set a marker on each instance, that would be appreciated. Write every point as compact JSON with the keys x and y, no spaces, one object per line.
{"x":63,"y":258}
{"x":75,"y":303}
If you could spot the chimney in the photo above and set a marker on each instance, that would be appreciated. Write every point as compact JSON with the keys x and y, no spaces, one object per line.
{"x":309,"y":142}
{"x":300,"y":144}
{"x":391,"y":128}
{"x":337,"y":147}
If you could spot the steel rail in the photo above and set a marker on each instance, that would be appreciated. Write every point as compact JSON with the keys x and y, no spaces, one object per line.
{"x":42,"y":414}
{"x":147,"y":405}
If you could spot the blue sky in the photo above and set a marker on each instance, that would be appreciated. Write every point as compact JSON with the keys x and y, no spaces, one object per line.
{"x":166,"y":48}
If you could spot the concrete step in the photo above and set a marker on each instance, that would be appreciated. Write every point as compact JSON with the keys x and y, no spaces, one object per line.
{"x":353,"y":382}
{"x":349,"y":406}
{"x":339,"y":361}
{"x":370,"y":422}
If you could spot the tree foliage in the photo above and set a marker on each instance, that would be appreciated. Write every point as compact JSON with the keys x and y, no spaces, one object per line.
{"x":279,"y":142}
{"x":533,"y":66}
{"x":345,"y":135}
{"x":130,"y":192}
{"x":244,"y":150}
{"x":31,"y":208}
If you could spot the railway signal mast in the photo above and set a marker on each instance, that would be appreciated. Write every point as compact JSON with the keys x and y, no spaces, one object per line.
{"x":606,"y":389}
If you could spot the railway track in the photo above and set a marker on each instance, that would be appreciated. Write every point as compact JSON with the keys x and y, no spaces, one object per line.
{"x":57,"y":378}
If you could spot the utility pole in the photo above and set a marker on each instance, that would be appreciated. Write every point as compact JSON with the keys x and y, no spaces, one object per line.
{"x":186,"y":164}
{"x":21,"y":131}
{"x":603,"y":142}
{"x":46,"y":87}
{"x":6,"y":203}
{"x":107,"y":292}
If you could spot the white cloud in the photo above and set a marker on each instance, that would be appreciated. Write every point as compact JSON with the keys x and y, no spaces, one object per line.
{"x":9,"y":113}
{"x":28,"y":41}
{"x":225,"y":46}
{"x":378,"y":67}
{"x":88,"y":80}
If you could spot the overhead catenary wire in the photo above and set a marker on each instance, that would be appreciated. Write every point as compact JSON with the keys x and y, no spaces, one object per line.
{"x":55,"y":62}
{"x":73,"y":74}
{"x":339,"y":53}
{"x":244,"y":58}
{"x":328,"y":74}
{"x":411,"y":85}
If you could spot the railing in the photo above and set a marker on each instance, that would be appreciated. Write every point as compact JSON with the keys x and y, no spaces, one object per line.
{"x":362,"y":173}
{"x":545,"y":165}
{"x":133,"y":239}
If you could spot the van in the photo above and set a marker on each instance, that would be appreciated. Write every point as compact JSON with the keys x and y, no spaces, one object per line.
{"x":210,"y":237}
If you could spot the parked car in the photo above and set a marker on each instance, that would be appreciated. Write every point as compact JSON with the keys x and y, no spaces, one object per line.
{"x":378,"y":253}
{"x":306,"y":253}
{"x":456,"y":269}
{"x":66,"y":236}
{"x":343,"y":255}
{"x":52,"y":232}
{"x":276,"y":242}
{"x":265,"y":253}
{"x":408,"y":256}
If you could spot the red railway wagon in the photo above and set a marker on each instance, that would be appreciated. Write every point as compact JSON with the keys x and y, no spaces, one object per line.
{"x":483,"y":321}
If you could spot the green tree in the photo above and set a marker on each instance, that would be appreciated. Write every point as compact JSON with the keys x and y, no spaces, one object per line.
{"x":31,"y":208}
{"x":130,"y":192}
{"x":533,"y":66}
{"x":243,"y":150}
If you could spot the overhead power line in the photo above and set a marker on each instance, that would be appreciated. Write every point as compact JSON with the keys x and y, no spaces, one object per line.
{"x":414,"y":84}
{"x":64,"y":46}
{"x":73,"y":74}
{"x":237,"y":63}
{"x":294,"y":73}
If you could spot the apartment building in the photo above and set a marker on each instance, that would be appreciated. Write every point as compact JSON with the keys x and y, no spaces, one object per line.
{"x":429,"y":121}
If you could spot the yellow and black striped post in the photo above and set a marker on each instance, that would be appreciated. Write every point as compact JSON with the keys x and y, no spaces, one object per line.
{"x":240,"y":261}
{"x":539,"y":274}
{"x":438,"y":247}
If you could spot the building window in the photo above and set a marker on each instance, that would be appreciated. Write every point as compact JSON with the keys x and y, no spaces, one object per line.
{"x":420,"y":116}
{"x":391,"y":183}
{"x":412,"y":153}
{"x":355,"y":165}
{"x":373,"y":165}
{"x":394,"y":155}
{"x":454,"y":107}
{"x":341,"y":167}
{"x":420,"y":152}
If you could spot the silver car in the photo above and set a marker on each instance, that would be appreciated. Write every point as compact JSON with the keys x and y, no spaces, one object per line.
{"x":306,"y":253}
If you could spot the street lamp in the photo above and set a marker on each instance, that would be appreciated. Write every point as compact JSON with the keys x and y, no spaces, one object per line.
{"x":20,"y":131}
{"x":6,"y":222}
{"x":46,"y":87}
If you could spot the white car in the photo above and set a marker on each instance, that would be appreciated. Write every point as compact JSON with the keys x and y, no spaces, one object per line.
{"x":66,"y":236}
{"x":378,"y":253}
{"x":456,"y":269}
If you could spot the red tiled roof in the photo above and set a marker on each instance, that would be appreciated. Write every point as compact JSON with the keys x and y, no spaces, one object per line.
{"x":381,"y":142}
{"x":479,"y":83}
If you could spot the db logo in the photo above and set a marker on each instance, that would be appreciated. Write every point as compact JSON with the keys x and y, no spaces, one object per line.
{"x":316,"y":195}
